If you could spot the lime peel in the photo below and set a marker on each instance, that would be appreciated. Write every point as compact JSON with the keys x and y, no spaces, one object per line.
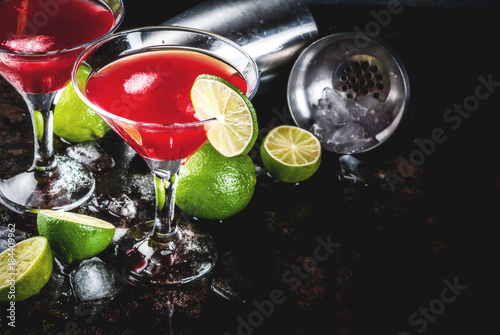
{"x":214,"y":187}
{"x":74,"y":237}
{"x":74,"y":121}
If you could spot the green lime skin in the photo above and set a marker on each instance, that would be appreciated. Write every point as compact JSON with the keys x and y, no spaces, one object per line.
{"x":214,"y":187}
{"x":72,"y":241}
{"x":74,"y":121}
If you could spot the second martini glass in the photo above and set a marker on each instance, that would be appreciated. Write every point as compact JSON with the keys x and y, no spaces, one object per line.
{"x":39,"y":43}
{"x":140,"y":82}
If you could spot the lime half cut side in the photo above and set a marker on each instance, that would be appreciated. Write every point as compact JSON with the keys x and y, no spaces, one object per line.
{"x":290,"y":154}
{"x":235,"y":130}
{"x":25,"y":268}
{"x":74,"y":237}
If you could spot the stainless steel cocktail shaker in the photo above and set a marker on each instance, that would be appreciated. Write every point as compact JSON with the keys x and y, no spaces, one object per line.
{"x":272,"y":32}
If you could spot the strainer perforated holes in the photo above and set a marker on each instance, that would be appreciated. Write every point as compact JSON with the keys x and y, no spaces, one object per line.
{"x":362,"y":75}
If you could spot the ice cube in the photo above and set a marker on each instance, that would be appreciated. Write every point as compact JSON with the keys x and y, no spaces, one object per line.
{"x":92,"y":280}
{"x":375,"y":121}
{"x":348,"y":139}
{"x":317,"y":112}
{"x":356,"y":110}
{"x":348,"y":125}
{"x":338,"y":116}
{"x":140,"y":82}
{"x":100,"y":203}
{"x":9,"y":235}
{"x":323,"y":122}
{"x":351,"y":170}
{"x":369,"y":102}
{"x":337,"y":110}
{"x":323,"y":104}
{"x":91,"y":154}
{"x":351,"y":131}
{"x":38,"y":43}
{"x":122,"y":206}
{"x":323,"y":131}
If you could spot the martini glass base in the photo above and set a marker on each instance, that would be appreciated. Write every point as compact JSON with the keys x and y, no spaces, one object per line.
{"x":188,"y":256}
{"x":72,"y":187}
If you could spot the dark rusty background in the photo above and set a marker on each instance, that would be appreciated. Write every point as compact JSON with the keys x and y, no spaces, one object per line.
{"x":399,"y":240}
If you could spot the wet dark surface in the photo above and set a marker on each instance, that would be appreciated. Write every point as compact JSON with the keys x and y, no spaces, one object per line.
{"x":407,"y":244}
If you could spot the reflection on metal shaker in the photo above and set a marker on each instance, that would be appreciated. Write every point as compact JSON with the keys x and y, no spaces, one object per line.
{"x":272,"y":32}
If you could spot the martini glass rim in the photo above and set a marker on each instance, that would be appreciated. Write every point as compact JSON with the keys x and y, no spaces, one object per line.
{"x":118,"y":20}
{"x":153,"y":125}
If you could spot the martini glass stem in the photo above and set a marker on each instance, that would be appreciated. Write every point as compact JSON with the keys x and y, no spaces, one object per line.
{"x":42,"y":116}
{"x":165,"y":178}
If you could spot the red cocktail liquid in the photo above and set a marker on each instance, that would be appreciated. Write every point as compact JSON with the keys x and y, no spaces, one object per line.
{"x":45,"y":27}
{"x":152,"y":90}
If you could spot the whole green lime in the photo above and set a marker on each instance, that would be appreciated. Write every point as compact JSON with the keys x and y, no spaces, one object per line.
{"x":74,"y":121}
{"x":214,"y":187}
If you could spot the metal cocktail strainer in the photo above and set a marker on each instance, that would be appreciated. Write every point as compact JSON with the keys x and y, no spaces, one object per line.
{"x":361,"y":75}
{"x":350,"y":90}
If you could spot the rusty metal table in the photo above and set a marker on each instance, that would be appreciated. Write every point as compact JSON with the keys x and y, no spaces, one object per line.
{"x":399,"y":240}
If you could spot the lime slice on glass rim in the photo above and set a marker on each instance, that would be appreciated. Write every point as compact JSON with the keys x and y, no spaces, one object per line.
{"x":235,"y":130}
{"x":25,"y":269}
{"x":290,"y":154}
{"x":74,"y":237}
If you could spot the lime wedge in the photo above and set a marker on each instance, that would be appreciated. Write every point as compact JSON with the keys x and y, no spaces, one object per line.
{"x":25,"y":269}
{"x":235,"y":130}
{"x":290,"y":154}
{"x":74,"y":237}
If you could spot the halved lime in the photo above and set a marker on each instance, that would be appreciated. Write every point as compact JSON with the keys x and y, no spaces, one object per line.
{"x":25,"y":269}
{"x":74,"y":237}
{"x":235,"y":131}
{"x":290,"y":154}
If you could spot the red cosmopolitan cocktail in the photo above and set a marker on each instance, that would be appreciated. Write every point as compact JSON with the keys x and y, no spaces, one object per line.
{"x":154,"y":88}
{"x":140,"y":83}
{"x":39,"y":43}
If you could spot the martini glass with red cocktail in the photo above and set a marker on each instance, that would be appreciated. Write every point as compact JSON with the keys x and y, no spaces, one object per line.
{"x":39,"y":42}
{"x":140,"y":82}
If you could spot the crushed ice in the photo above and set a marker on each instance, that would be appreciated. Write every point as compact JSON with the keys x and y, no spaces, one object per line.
{"x":349,"y":125}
